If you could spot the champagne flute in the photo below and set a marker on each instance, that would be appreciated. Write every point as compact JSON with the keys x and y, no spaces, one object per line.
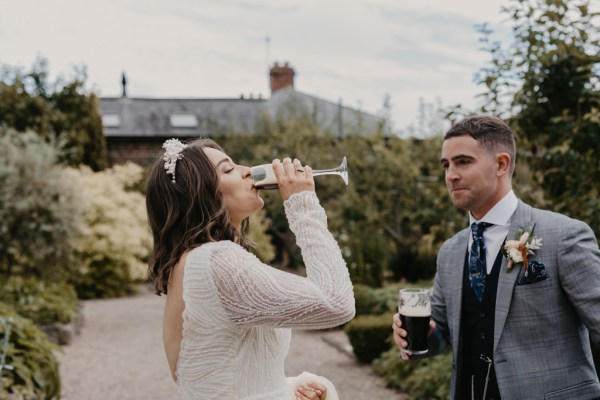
{"x":265,"y":178}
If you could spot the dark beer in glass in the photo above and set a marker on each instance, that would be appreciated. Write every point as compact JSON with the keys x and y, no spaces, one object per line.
{"x":414,"y":308}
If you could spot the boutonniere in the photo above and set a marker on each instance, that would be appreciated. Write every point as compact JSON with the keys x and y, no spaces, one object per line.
{"x":516,"y":251}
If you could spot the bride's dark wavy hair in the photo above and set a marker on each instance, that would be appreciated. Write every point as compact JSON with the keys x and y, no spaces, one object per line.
{"x":186,"y":213}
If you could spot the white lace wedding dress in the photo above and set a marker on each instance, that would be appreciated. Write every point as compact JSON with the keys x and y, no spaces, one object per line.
{"x":239,"y":311}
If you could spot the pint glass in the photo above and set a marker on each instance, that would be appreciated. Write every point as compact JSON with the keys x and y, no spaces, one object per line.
{"x":414,"y":308}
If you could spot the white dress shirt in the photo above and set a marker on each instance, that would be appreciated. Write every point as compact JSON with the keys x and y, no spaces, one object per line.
{"x":500,"y":215}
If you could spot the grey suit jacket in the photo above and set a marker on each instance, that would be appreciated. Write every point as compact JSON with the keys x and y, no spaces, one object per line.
{"x":541,"y":343}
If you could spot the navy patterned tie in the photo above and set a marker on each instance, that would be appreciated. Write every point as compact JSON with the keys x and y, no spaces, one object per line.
{"x":477,"y":264}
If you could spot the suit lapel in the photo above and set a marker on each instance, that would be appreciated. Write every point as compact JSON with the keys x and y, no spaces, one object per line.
{"x":456,"y":258}
{"x":507,"y":279}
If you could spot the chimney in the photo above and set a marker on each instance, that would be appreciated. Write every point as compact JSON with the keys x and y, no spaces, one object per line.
{"x":281,"y":76}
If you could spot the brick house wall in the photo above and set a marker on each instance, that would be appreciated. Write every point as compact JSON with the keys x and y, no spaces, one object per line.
{"x":140,"y":150}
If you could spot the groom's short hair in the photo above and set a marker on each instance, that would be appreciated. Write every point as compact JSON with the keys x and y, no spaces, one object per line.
{"x":491,"y":132}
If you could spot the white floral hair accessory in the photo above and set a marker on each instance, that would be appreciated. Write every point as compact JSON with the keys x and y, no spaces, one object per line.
{"x":173,"y":149}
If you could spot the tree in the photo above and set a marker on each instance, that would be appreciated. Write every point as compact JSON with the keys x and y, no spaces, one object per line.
{"x":389,"y":221}
{"x":296,"y":135}
{"x":551,"y":76}
{"x":61,"y":110}
{"x":38,"y":209}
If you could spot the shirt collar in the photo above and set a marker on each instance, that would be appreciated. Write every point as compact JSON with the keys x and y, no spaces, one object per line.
{"x":501,"y":213}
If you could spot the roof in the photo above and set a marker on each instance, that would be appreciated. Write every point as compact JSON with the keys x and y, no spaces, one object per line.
{"x":333,"y":117}
{"x":192,"y":117}
{"x":133,"y":117}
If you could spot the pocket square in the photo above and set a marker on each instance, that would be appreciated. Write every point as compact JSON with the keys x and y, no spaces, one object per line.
{"x":535,"y":272}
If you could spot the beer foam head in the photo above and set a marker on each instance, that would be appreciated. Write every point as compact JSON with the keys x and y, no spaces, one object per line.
{"x":420,"y":311}
{"x":414,"y":302}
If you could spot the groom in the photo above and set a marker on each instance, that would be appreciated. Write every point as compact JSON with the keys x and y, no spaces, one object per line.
{"x":517,"y":331}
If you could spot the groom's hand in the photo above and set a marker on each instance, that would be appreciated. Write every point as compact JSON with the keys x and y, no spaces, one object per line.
{"x":400,"y":334}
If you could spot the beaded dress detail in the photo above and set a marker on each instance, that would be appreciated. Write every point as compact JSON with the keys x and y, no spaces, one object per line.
{"x":239,"y":311}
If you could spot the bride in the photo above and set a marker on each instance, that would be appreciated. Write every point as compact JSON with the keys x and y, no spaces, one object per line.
{"x":227,"y":316}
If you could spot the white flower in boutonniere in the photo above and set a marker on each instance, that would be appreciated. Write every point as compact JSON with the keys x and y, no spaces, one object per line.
{"x":516,"y":251}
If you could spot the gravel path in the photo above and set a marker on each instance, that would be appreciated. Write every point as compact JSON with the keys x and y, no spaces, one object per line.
{"x":119,"y":356}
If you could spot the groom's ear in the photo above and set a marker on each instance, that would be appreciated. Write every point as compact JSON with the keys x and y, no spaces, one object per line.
{"x":503,"y":164}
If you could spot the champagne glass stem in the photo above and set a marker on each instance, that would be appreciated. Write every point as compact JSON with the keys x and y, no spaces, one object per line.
{"x":342,"y":171}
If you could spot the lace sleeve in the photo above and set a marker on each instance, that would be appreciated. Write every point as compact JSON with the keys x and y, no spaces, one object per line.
{"x":254,"y":293}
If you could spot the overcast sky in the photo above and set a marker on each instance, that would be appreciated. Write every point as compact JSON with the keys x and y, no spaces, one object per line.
{"x":354,"y":50}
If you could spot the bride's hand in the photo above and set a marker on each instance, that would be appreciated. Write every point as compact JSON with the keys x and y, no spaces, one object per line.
{"x":312,"y":391}
{"x":292,"y":177}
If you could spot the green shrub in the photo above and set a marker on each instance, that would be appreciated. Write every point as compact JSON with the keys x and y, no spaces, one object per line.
{"x":104,"y":278}
{"x":38,"y":208}
{"x":362,"y":299}
{"x":425,"y":379}
{"x":258,"y":233}
{"x":370,"y":301}
{"x":34,"y":374}
{"x":386,"y":299}
{"x":117,"y":238}
{"x":365,"y":249}
{"x":10,"y":391}
{"x":369,"y":336}
{"x":42,"y":302}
